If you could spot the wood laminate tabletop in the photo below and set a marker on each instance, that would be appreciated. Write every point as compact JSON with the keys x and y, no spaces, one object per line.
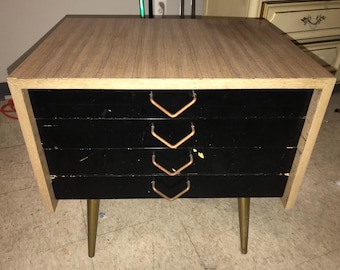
{"x":133,"y":48}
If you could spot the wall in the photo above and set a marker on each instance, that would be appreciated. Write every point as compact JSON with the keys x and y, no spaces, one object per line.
{"x":236,"y":8}
{"x":24,"y":22}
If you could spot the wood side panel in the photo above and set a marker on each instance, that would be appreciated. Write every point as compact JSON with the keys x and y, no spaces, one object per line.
{"x":315,"y":115}
{"x":33,"y":145}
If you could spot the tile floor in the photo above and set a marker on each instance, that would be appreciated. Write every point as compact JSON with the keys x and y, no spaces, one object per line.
{"x":185,"y":234}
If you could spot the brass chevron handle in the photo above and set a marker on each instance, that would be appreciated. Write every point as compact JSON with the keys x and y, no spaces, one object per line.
{"x":173,"y":146}
{"x":175,"y":172}
{"x":173,"y":115}
{"x":160,"y":193}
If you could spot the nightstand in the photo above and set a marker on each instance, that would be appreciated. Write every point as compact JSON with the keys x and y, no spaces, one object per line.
{"x":114,"y":108}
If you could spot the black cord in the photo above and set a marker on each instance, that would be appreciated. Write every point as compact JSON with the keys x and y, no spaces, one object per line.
{"x":182,"y":8}
{"x":150,"y":9}
{"x":193,"y":9}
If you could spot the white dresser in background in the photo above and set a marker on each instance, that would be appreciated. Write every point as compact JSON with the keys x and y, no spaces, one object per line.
{"x":313,"y":25}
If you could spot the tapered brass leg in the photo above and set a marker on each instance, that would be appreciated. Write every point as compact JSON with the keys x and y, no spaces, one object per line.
{"x":243,"y":212}
{"x":92,"y":224}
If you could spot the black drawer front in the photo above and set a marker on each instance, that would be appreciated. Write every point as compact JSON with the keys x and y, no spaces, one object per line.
{"x":136,"y":104}
{"x":137,"y":133}
{"x":99,"y":144}
{"x":140,"y":187}
{"x":206,"y":161}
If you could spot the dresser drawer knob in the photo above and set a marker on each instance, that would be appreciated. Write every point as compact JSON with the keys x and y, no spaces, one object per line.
{"x":173,"y":115}
{"x":173,"y":146}
{"x":153,"y":183}
{"x":175,"y":172}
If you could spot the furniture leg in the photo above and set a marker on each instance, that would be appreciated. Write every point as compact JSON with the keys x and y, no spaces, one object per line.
{"x":243,"y":212}
{"x":92,"y":224}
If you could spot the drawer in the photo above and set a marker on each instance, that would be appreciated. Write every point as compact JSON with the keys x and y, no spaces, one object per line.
{"x":109,"y":104}
{"x":140,"y":187}
{"x":326,"y":53}
{"x":304,"y":20}
{"x":206,"y":161}
{"x":61,"y":134}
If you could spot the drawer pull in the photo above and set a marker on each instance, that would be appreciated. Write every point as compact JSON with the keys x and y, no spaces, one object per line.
{"x":308,"y":20}
{"x":175,"y":172}
{"x":153,"y":183}
{"x":173,"y":115}
{"x":173,"y":146}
